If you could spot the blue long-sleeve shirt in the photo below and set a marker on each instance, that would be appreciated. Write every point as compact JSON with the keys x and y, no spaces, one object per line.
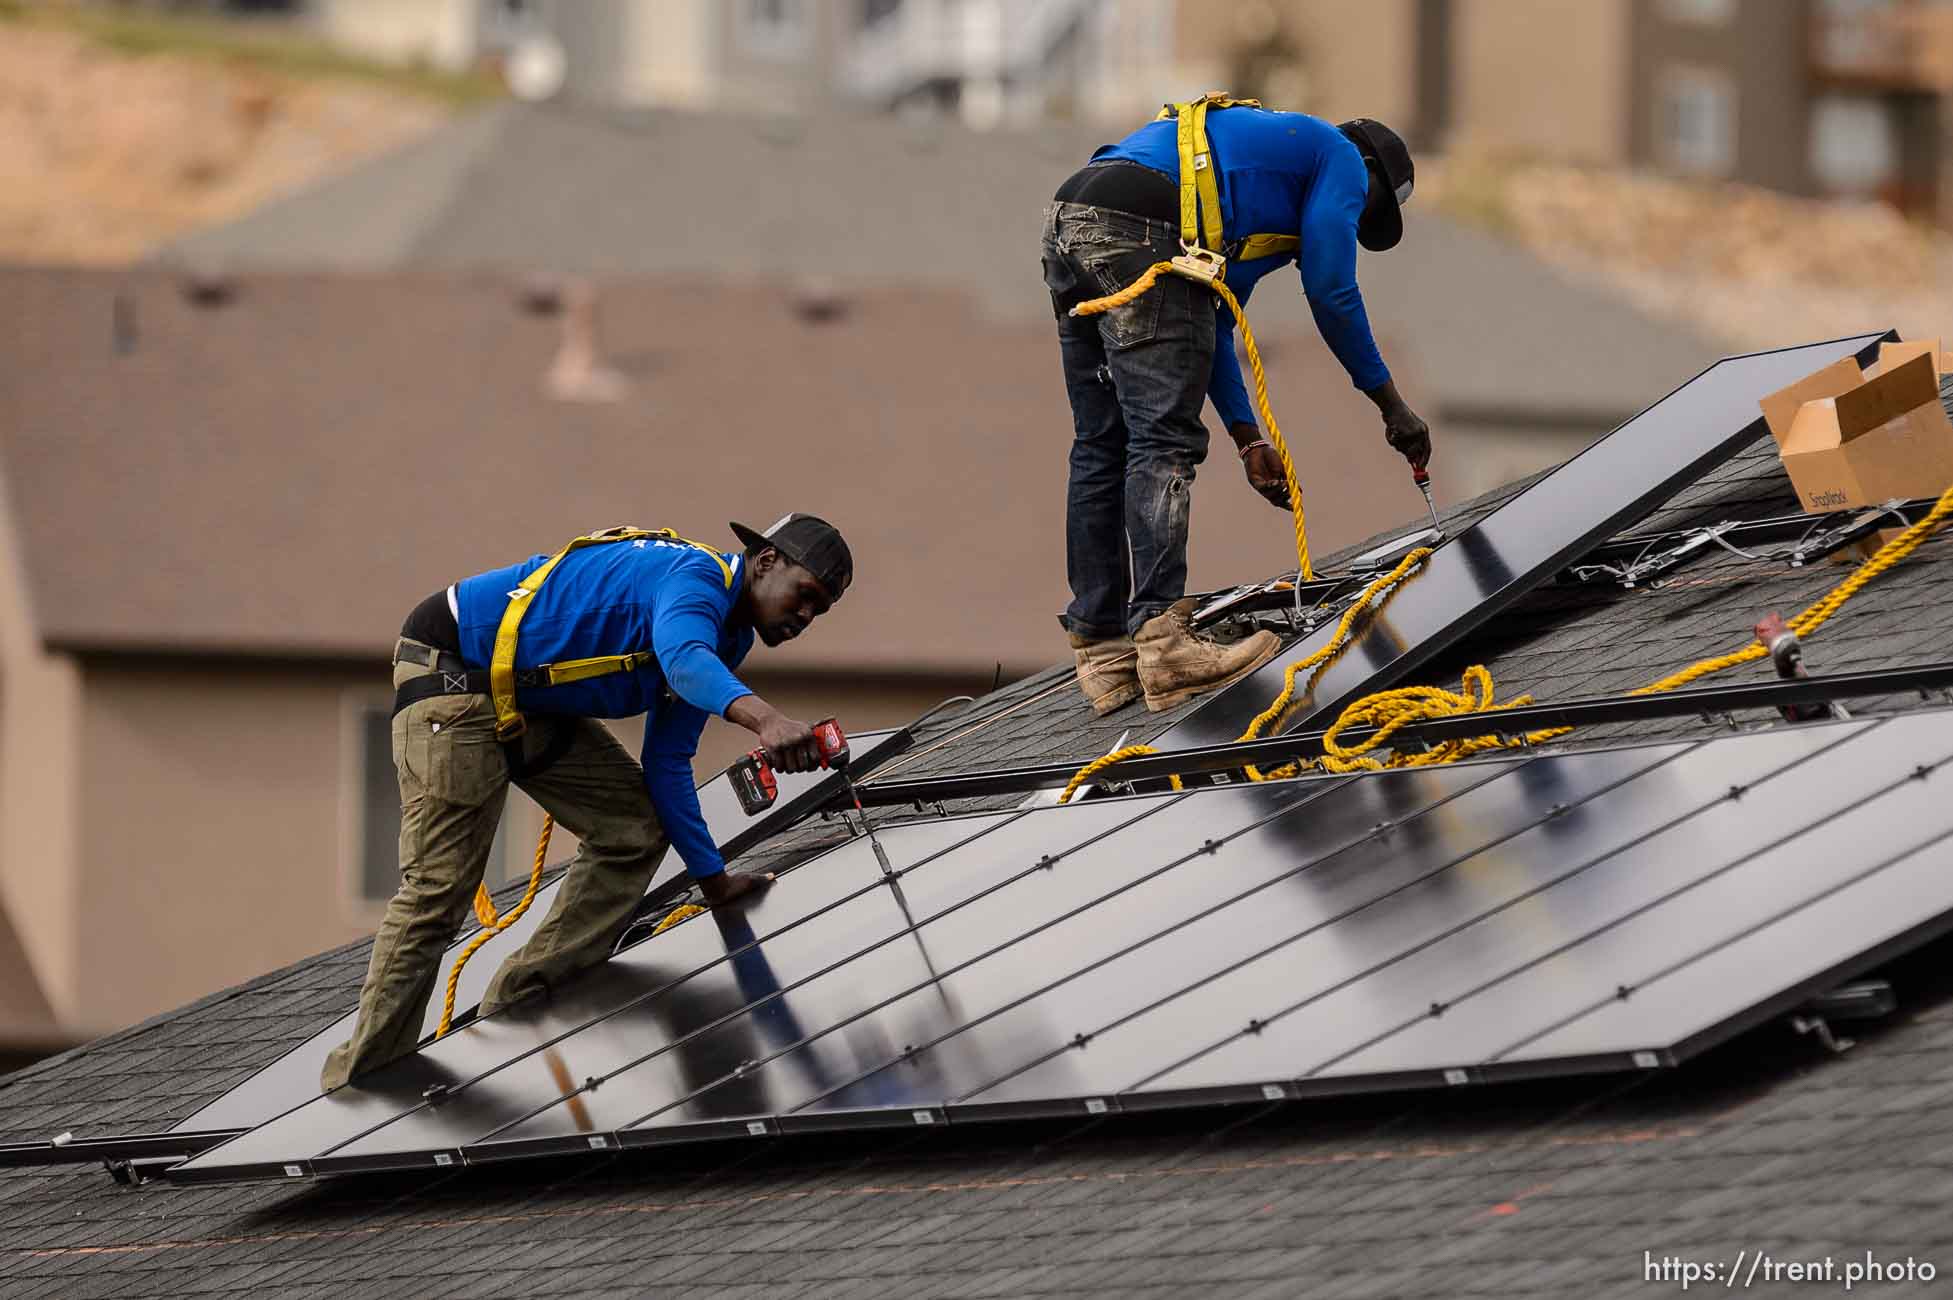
{"x":615,"y":598}
{"x":1280,"y":173}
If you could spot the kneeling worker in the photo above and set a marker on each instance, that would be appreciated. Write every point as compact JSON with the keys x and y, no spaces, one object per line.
{"x":619,"y":623}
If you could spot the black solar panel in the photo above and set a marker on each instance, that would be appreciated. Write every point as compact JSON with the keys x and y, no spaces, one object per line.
{"x":1609,"y":486}
{"x":1611,"y":909}
{"x":294,"y":1077}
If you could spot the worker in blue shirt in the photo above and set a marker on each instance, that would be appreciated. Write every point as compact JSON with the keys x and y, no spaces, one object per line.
{"x":1137,"y":376}
{"x":620,"y":623}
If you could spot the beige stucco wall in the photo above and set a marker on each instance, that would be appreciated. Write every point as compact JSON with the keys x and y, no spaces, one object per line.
{"x":1354,"y":59}
{"x":218,"y":806}
{"x":1359,"y":59}
{"x":1542,"y":77}
{"x":39,"y":820}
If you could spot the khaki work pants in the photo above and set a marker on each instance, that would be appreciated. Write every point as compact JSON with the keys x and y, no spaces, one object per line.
{"x":454,"y":782}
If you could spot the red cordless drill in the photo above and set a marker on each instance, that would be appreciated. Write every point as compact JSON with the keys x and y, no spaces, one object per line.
{"x":756,"y":785}
{"x":753,"y":778}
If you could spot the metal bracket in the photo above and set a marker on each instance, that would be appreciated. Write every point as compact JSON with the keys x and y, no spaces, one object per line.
{"x":1858,"y":1000}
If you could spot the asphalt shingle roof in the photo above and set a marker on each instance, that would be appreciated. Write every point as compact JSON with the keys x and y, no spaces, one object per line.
{"x":1768,"y":1143}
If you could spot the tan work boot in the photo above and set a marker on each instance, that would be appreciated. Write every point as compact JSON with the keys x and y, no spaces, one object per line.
{"x":1108,"y":672}
{"x":1176,"y":663}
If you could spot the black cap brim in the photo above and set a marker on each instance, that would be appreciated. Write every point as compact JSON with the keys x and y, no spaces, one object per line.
{"x":1382,"y":224}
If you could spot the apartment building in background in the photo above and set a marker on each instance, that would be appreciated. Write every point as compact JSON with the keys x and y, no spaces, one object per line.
{"x":1810,"y":97}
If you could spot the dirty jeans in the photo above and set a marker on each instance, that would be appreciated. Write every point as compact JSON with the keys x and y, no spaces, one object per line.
{"x":1137,"y":377}
{"x":454,"y":782}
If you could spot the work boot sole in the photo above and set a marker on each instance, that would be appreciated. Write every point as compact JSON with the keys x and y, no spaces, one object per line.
{"x":1114,"y":700}
{"x":1161,"y":703}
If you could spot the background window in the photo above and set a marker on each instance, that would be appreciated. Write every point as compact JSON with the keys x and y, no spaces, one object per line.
{"x":1695,"y":126}
{"x":378,"y":791}
{"x":777,"y":28}
{"x":1854,"y":144}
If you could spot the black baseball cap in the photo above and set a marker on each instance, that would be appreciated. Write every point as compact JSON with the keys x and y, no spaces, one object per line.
{"x":812,"y":543}
{"x":1382,"y":223}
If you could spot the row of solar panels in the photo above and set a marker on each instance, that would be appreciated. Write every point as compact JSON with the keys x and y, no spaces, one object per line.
{"x":1592,"y":910}
{"x":1595,"y":910}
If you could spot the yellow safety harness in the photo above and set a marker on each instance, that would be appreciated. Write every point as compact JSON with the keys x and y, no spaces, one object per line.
{"x":503,"y":678}
{"x":1200,"y":191}
{"x":502,"y":682}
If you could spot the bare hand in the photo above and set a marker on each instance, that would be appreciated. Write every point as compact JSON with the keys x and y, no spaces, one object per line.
{"x":1264,"y":469}
{"x":730,"y":888}
{"x":789,"y":744}
{"x":1405,"y":430}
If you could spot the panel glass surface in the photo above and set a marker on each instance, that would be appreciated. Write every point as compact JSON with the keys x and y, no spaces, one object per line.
{"x":294,"y":1077}
{"x":1491,"y":564}
{"x":908,"y":995}
{"x":1313,"y":928}
{"x":782,"y":990}
{"x":1541,"y":893}
{"x":500,"y":1068}
{"x":1832,"y":889}
{"x":1130,"y":918}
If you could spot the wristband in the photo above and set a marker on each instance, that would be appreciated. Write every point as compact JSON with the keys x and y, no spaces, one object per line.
{"x":1258,"y":442}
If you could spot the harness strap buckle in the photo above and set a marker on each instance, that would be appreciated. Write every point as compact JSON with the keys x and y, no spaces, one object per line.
{"x":1198,"y":264}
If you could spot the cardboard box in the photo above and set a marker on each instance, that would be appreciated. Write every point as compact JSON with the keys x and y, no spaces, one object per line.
{"x":1850,"y":440}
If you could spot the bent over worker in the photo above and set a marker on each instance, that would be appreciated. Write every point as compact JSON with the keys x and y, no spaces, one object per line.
{"x":500,"y":678}
{"x":1262,"y":189}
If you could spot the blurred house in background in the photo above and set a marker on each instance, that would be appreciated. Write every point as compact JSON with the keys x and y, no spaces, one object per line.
{"x":1813,"y":97}
{"x":1516,"y":366}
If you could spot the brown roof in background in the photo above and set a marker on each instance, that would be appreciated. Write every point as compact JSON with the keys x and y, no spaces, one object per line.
{"x":1479,"y":329}
{"x":286,"y":473}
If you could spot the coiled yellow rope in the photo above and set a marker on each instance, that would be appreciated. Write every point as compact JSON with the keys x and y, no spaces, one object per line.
{"x":492,"y":924}
{"x":1144,"y":284}
{"x":1390,"y":711}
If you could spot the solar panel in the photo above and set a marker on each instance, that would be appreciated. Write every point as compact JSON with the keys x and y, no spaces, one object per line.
{"x":1491,"y":564}
{"x":294,"y":1077}
{"x":1605,"y":909}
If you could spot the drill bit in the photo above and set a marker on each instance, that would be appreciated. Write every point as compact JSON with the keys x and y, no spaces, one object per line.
{"x":1422,"y":477}
{"x":862,"y":820}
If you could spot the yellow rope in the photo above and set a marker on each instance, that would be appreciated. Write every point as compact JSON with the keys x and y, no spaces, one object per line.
{"x":1817,"y":615}
{"x":492,"y":924}
{"x":682,"y":913}
{"x":1140,"y":287}
{"x":1390,"y":711}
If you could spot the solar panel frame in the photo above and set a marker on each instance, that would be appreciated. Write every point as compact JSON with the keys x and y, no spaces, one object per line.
{"x":1485,"y":568}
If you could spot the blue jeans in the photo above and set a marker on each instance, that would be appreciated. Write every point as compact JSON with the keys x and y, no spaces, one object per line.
{"x":1137,"y":377}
